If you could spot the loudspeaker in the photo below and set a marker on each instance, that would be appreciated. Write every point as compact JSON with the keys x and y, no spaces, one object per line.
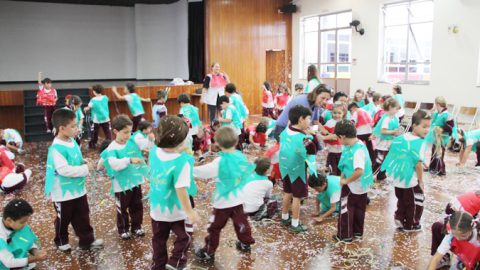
{"x":289,"y":8}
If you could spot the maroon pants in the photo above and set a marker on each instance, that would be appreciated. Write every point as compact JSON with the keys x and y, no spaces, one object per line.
{"x":220,"y":218}
{"x":161,"y":232}
{"x":197,"y":143}
{"x":365,"y":138}
{"x":437,"y":163}
{"x":332,"y":163}
{"x":352,"y":213}
{"x":136,"y":120}
{"x":409,"y":206}
{"x":19,"y":186}
{"x":129,"y":209}
{"x":77,"y":213}
{"x":478,"y":155}
{"x":271,"y":205}
{"x":48,"y":112}
{"x":106,"y":130}
{"x":268,"y":112}
{"x":379,"y":158}
{"x":437,"y":236}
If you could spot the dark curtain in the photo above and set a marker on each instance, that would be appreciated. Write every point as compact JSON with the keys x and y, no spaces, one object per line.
{"x":196,"y":41}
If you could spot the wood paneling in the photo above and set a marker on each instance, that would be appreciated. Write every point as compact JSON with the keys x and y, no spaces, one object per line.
{"x":275,"y":68}
{"x":12,"y":117}
{"x":238,"y":35}
{"x":11,"y":98}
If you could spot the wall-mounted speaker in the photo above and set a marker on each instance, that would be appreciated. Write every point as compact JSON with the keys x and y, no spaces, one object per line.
{"x":289,"y":8}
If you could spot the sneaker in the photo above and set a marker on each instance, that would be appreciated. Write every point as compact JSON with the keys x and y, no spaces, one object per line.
{"x":126,"y":236}
{"x":97,"y":244}
{"x":358,"y":236}
{"x":65,"y":248}
{"x":415,"y":228}
{"x":203,"y":256}
{"x":49,"y":131}
{"x":298,"y":229}
{"x":287,"y":222}
{"x":445,"y":261}
{"x":343,"y":240}
{"x":243,"y":247}
{"x":139,"y":232}
{"x":170,"y":267}
{"x":398,"y":224}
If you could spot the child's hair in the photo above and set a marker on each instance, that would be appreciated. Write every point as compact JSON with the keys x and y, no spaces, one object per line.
{"x":285,"y":87}
{"x":97,"y":88}
{"x":352,"y":106}
{"x":262,"y":164}
{"x":461,"y":221}
{"x":223,"y":99}
{"x":338,"y":95}
{"x":17,"y":209}
{"x":298,"y":112}
{"x":338,"y":105}
{"x":46,"y":80}
{"x":298,"y":86}
{"x":225,"y":137}
{"x":62,"y":117}
{"x":441,"y":101}
{"x":121,"y":121}
{"x":130,"y":87}
{"x":144,"y":125}
{"x":390,"y":103}
{"x":397,"y":89}
{"x":420,"y":115}
{"x":230,"y":88}
{"x":345,"y":128}
{"x":183,"y":98}
{"x":73,"y":100}
{"x":215,"y":123}
{"x":376,"y":97}
{"x":355,"y":95}
{"x":267,"y":85}
{"x":385,"y":97}
{"x":171,"y":131}
{"x":104,"y":145}
{"x":318,"y":180}
{"x":161,"y":94}
{"x":312,"y":72}
{"x":213,"y":64}
{"x":261,"y":128}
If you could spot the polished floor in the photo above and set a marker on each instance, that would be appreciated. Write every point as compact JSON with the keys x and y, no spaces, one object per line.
{"x":382,"y":247}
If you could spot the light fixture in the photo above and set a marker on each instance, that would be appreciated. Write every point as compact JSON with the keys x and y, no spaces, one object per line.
{"x":356,"y":24}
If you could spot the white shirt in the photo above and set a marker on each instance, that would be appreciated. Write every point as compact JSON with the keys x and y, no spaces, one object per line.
{"x":6,"y":257}
{"x":331,"y":148}
{"x":144,"y":143}
{"x":210,"y":171}
{"x":414,"y":181}
{"x":11,"y":135}
{"x":229,"y":116}
{"x":384,"y":145}
{"x":63,"y":169}
{"x":182,"y":182}
{"x":358,"y":163}
{"x":364,"y":129}
{"x":90,"y":105}
{"x":446,"y":244}
{"x":254,"y":193}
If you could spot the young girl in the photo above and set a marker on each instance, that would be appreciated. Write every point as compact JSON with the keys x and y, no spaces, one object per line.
{"x":100,"y":115}
{"x":339,"y":97}
{"x":281,"y":98}
{"x":364,"y":124}
{"x":134,"y":102}
{"x":267,"y":100}
{"x":373,"y":106}
{"x":469,"y":140}
{"x":159,"y":110}
{"x":47,"y":97}
{"x":359,"y":98}
{"x":443,"y":126}
{"x":333,"y":144}
{"x":397,"y":94}
{"x":385,"y":131}
{"x":462,"y":240}
{"x":74,"y":103}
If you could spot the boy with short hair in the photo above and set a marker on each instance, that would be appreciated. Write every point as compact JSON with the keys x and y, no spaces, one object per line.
{"x":190,"y":112}
{"x":231,"y":118}
{"x":100,"y":115}
{"x":328,"y":197}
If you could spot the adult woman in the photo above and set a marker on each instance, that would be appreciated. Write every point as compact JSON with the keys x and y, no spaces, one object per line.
{"x":312,"y":79}
{"x":213,"y":87}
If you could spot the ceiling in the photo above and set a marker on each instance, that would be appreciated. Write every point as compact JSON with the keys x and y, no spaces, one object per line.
{"x":104,"y":2}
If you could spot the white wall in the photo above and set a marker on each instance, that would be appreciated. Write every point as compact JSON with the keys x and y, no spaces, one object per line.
{"x":75,"y":42}
{"x":454,"y":56}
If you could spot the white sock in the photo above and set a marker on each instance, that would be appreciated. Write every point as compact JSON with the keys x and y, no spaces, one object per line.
{"x":285,"y":216}
{"x":295,"y":222}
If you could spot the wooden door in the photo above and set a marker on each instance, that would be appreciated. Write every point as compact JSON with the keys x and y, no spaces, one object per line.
{"x":276,"y":68}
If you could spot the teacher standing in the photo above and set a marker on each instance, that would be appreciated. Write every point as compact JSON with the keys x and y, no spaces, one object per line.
{"x":214,"y":87}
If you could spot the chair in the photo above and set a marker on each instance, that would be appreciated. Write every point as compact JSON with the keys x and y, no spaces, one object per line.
{"x":427,"y":106}
{"x":452,"y":109}
{"x":467,"y":117}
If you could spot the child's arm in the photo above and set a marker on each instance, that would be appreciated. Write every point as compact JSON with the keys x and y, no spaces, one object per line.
{"x":317,"y":208}
{"x":116,"y":94}
{"x":419,"y":171}
{"x":182,"y":194}
{"x":227,"y":119}
{"x":328,"y":213}
{"x":464,"y":153}
{"x":434,"y":261}
{"x":12,"y":147}
{"x":207,"y":171}
{"x":356,"y":174}
{"x":66,"y":170}
{"x":329,"y":137}
{"x":145,"y":99}
{"x":9,"y":261}
{"x":40,"y":78}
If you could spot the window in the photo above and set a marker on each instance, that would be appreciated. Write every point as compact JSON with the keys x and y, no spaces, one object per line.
{"x":326,"y":43}
{"x":407,"y":44}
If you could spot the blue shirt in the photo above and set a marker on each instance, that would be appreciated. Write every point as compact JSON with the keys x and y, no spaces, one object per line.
{"x":299,"y":100}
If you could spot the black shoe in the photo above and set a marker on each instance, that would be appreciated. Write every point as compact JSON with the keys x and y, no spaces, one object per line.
{"x":415,"y":228}
{"x":368,"y":200}
{"x":243,"y":247}
{"x":203,"y":256}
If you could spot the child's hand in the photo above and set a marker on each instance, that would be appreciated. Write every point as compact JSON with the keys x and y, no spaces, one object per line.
{"x":151,"y":136}
{"x":193,"y":217}
{"x":315,"y":215}
{"x":40,"y":255}
{"x":318,"y":220}
{"x":343,"y":181}
{"x":134,"y":160}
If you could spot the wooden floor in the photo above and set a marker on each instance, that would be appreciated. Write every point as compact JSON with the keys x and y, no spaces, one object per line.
{"x":275,"y":248}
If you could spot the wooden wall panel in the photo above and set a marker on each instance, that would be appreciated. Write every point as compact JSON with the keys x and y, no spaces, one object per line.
{"x":238,"y":34}
{"x":11,"y":98}
{"x":12,"y":117}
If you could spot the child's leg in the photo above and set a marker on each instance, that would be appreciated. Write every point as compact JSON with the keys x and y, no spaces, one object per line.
{"x":345,"y":220}
{"x":419,"y":199}
{"x":94,"y":139}
{"x":81,"y":222}
{"x":401,"y":207}
{"x":122,"y":202}
{"x":478,"y":155}
{"x":135,"y":208}
{"x":14,"y":181}
{"x":65,"y":211}
{"x":287,"y":197}
{"x":242,"y":226}
{"x":216,"y":223}
{"x":359,"y":203}
{"x":437,"y":236}
{"x":380,"y":156}
{"x":136,"y":120}
{"x":188,"y":224}
{"x":106,"y":130}
{"x":161,"y":232}
{"x":48,"y":116}
{"x":181,"y":245}
{"x":437,"y":164}
{"x":332,"y":163}
{"x":264,"y":111}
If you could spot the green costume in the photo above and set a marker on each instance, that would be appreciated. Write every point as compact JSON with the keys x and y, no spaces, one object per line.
{"x":346,"y":165}
{"x":21,"y":242}
{"x":135,"y":105}
{"x":293,"y":156}
{"x":100,"y":111}
{"x":233,"y":171}
{"x":333,"y":186}
{"x":191,"y":112}
{"x":392,"y":125}
{"x":236,"y":121}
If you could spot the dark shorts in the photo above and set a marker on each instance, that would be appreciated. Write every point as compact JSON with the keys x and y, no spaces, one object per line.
{"x":298,"y":188}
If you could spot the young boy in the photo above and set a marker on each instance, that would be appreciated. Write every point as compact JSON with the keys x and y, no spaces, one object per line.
{"x":258,"y":190}
{"x":328,"y":197}
{"x":47,"y":97}
{"x":191,"y":113}
{"x":65,"y":184}
{"x":356,"y":178}
{"x":159,"y":110}
{"x":127,"y":169}
{"x":100,"y":115}
{"x":17,"y":240}
{"x":297,"y":153}
{"x":134,"y":102}
{"x":144,"y":137}
{"x":237,"y":101}
{"x":171,"y":184}
{"x":231,"y":118}
{"x":404,"y":163}
{"x":230,"y":171}
{"x":256,"y":135}
{"x":469,"y":141}
{"x":12,"y":140}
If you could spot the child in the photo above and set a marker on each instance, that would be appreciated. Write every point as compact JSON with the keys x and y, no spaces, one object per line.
{"x":355,"y":180}
{"x":298,"y":89}
{"x":256,"y":135}
{"x":359,"y":98}
{"x":404,"y":163}
{"x":231,"y":118}
{"x":144,"y":137}
{"x":270,"y":124}
{"x":12,"y":140}
{"x":328,"y":197}
{"x":159,"y":110}
{"x":12,"y":178}
{"x":364,"y":124}
{"x":463,"y":240}
{"x":333,"y":144}
{"x":385,"y":131}
{"x":237,"y":101}
{"x":258,"y":191}
{"x":281,"y":98}
{"x":267,"y":100}
{"x":100,"y":115}
{"x":126,"y":167}
{"x":134,"y":102}
{"x":230,"y":171}
{"x":65,"y":184}
{"x":378,"y":115}
{"x":297,"y":154}
{"x":191,"y":113}
{"x":47,"y":97}
{"x":272,"y":154}
{"x":17,"y":240}
{"x":74,"y":103}
{"x":171,"y":184}
{"x":443,"y":126}
{"x":373,"y":107}
{"x":397,"y":94}
{"x":469,"y":140}
{"x":209,"y":137}
{"x":339,"y":97}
